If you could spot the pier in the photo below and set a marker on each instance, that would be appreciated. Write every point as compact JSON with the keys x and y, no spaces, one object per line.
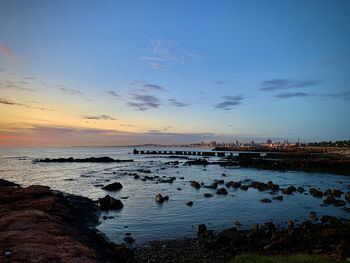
{"x":201,"y":153}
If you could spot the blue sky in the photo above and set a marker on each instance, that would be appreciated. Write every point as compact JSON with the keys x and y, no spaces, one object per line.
{"x":183,"y":70}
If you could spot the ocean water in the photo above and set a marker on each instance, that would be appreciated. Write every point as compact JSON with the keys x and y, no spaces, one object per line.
{"x":147,"y":220}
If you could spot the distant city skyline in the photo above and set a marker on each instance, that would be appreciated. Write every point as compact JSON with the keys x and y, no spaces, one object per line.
{"x":91,"y":73}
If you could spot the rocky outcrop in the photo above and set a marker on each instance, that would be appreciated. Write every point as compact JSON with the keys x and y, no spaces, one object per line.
{"x":110,"y":203}
{"x":113,"y":187}
{"x":41,"y":225}
{"x":84,"y":160}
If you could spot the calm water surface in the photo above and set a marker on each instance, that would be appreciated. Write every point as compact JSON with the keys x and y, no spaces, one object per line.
{"x":147,"y":220}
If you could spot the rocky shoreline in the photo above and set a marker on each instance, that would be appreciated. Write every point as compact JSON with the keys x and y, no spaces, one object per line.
{"x":42,"y":225}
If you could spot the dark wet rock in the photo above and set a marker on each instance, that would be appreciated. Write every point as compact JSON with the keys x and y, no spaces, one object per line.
{"x":190,"y":203}
{"x":265,"y":200}
{"x":272,"y":186}
{"x":316,"y":193}
{"x":207,"y":195}
{"x":85,"y":160}
{"x":337,"y":193}
{"x":347,"y":197}
{"x":197,"y":162}
{"x":346,"y":209}
{"x":170,"y":180}
{"x":300,"y":189}
{"x":289,"y":190}
{"x":110,"y":203}
{"x":159,"y":198}
{"x":166,"y":198}
{"x":313,"y":216}
{"x":220,"y":181}
{"x":212,"y":186}
{"x":7,"y":183}
{"x":221,"y":191}
{"x":331,"y":200}
{"x":136,"y":176}
{"x":129,"y":239}
{"x":244,"y":187}
{"x":181,"y":177}
{"x":195,"y":184}
{"x":228,"y":237}
{"x":290,"y":224}
{"x":223,"y":174}
{"x":201,"y":229}
{"x":179,"y":189}
{"x":258,"y":185}
{"x":279,"y":198}
{"x":233,"y":184}
{"x":113,"y":187}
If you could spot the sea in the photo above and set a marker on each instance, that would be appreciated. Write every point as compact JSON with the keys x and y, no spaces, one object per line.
{"x":147,"y":220}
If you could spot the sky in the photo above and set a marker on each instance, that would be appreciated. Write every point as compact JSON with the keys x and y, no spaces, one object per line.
{"x":102,"y":73}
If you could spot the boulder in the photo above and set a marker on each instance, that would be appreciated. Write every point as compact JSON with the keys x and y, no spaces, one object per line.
{"x":159,"y":198}
{"x":113,"y":187}
{"x":208,"y":195}
{"x":212,"y":186}
{"x":201,"y":229}
{"x":233,"y":184}
{"x":129,"y":239}
{"x":279,"y":198}
{"x":195,"y":184}
{"x":265,"y":200}
{"x":300,"y":189}
{"x":110,"y":203}
{"x":221,"y":191}
{"x":316,"y":193}
{"x":289,"y":190}
{"x":228,"y":237}
{"x":190,"y":203}
{"x":244,"y":187}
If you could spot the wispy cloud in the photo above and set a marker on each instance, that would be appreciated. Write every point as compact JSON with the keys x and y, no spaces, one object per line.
{"x":281,"y":84}
{"x":145,"y":86}
{"x":157,"y":66}
{"x":11,"y":85}
{"x":98,"y":117}
{"x":177,"y":103}
{"x":70,"y":91}
{"x":343,"y":95}
{"x":29,"y":78}
{"x":229,"y":102}
{"x":7,"y":53}
{"x":8,"y":102}
{"x":288,"y":95}
{"x":142,"y":102}
{"x":162,"y":50}
{"x":113,"y":94}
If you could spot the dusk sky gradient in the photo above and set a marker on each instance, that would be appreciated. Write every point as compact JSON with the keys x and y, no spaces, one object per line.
{"x":131,"y":72}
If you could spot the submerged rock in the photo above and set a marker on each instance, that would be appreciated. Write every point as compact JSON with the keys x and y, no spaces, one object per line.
{"x":113,"y":187}
{"x":190,"y":203}
{"x":159,"y":198}
{"x":195,"y":184}
{"x":207,"y":195}
{"x":212,"y":186}
{"x":289,"y":190}
{"x":265,"y":200}
{"x":110,"y":203}
{"x":221,"y":191}
{"x":316,"y":193}
{"x":244,"y":187}
{"x":279,"y":198}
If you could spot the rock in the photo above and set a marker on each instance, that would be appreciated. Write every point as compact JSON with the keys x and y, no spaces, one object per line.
{"x":113,"y":187}
{"x":289,"y":190}
{"x":7,"y":183}
{"x":228,"y":237}
{"x":166,"y":198}
{"x":337,"y":193}
{"x":220,"y":182}
{"x":300,"y":189}
{"x":212,"y":186}
{"x":290,"y":224}
{"x":265,"y":200}
{"x":190,"y":203}
{"x":333,"y":201}
{"x":197,"y":162}
{"x":279,"y":198}
{"x":129,"y":239}
{"x":258,"y":185}
{"x":122,"y":253}
{"x":272,"y":186}
{"x":195,"y":184}
{"x":221,"y":191}
{"x":347,"y":197}
{"x":201,"y":229}
{"x":159,"y":198}
{"x":110,"y":203}
{"x":315,"y":193}
{"x":233,"y":184}
{"x":329,"y":233}
{"x":244,"y":187}
{"x":208,"y":195}
{"x":179,"y":189}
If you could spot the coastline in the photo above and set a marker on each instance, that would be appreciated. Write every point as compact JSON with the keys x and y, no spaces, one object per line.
{"x":42,"y":225}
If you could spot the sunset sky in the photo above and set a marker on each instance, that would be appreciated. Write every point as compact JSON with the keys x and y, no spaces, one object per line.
{"x":132,"y":72}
